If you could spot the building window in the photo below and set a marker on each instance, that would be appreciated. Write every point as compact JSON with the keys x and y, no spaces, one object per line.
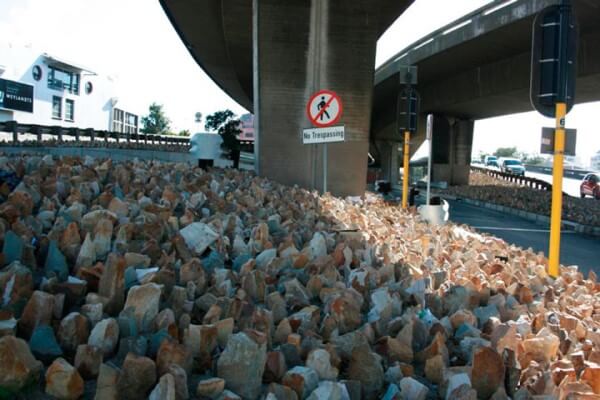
{"x":124,"y":122}
{"x":37,"y":73}
{"x":131,"y":123}
{"x":56,"y":107}
{"x":118,"y":119}
{"x":89,"y":88}
{"x":69,"y":110}
{"x":59,"y":79}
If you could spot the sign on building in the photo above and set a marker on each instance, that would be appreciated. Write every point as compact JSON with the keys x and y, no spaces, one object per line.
{"x":323,"y":135}
{"x":16,"y":96}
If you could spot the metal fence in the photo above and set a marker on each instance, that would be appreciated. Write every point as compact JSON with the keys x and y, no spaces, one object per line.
{"x":58,"y":133}
{"x":533,"y":183}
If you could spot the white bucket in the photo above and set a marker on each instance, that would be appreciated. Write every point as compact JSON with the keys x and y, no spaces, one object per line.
{"x":435,"y":215}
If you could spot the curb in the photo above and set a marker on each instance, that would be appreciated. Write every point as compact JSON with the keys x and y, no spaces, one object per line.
{"x":537,"y":218}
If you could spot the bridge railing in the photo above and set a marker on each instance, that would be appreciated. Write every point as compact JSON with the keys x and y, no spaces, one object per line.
{"x":533,"y":183}
{"x":59,"y":133}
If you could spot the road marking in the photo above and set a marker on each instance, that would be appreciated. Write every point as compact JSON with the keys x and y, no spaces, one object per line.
{"x":495,"y":228}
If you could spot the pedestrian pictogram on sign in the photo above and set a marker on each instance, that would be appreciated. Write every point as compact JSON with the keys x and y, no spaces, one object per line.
{"x":324,"y":108}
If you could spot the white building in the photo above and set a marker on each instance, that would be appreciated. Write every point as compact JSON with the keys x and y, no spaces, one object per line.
{"x":595,"y":162}
{"x":42,"y":89}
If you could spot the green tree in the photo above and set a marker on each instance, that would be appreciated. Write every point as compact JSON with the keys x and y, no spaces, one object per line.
{"x":506,"y":152}
{"x":156,"y":122}
{"x":228,"y":127}
{"x":184,"y":132}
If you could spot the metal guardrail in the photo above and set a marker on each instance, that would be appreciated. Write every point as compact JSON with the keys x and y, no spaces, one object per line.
{"x":568,"y":173}
{"x":59,"y":132}
{"x":533,"y":183}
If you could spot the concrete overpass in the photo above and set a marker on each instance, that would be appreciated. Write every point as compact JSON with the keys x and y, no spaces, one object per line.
{"x":270,"y":56}
{"x":476,"y":67}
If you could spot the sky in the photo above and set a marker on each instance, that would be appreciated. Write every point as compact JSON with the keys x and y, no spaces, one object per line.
{"x":133,"y":41}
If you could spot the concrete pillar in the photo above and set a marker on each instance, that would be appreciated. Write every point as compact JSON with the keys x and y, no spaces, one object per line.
{"x":452,"y":146}
{"x":462,"y":132}
{"x":301,"y":46}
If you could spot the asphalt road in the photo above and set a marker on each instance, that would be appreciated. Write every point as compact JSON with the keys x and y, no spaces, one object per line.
{"x":576,"y":249}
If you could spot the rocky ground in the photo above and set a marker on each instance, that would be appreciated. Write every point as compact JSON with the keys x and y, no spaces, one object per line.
{"x":486,"y":188}
{"x":142,"y":280}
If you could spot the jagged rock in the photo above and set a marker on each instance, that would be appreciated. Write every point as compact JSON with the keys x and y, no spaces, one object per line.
{"x":200,"y":340}
{"x":488,"y":372}
{"x":275,"y":367}
{"x":16,"y":284}
{"x":112,"y":283}
{"x":171,"y":353}
{"x":198,"y":236}
{"x":365,"y":367}
{"x":591,"y":375}
{"x":329,"y":391}
{"x":38,"y":311}
{"x":242,"y":364}
{"x":320,"y":361}
{"x":18,"y":367}
{"x":181,"y":383}
{"x":63,"y":381}
{"x":543,"y":347}
{"x":413,"y":389}
{"x":144,"y":301}
{"x":90,"y":220}
{"x":434,"y":369}
{"x":137,"y":377}
{"x":88,"y":360}
{"x":103,"y":237}
{"x":105,"y":336}
{"x":56,"y":264}
{"x":211,"y":388}
{"x":106,"y":388}
{"x":12,"y":247}
{"x":165,"y":389}
{"x":43,"y":344}
{"x":73,"y":331}
{"x":301,"y":380}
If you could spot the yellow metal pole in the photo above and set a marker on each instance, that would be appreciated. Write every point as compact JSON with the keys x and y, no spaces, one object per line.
{"x":405,"y":178}
{"x":557,"y":180}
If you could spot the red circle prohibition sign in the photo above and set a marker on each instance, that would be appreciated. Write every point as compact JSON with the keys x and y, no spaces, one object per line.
{"x":324,"y":108}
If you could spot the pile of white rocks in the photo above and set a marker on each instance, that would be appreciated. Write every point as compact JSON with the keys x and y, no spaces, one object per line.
{"x":143,"y":280}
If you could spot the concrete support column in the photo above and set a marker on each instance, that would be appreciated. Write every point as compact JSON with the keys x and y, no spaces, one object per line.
{"x":452,"y":146}
{"x":387,"y":154}
{"x":462,"y":133}
{"x":301,"y":46}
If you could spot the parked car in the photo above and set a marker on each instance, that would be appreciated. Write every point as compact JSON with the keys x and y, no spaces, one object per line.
{"x":512,"y":166}
{"x":590,"y":186}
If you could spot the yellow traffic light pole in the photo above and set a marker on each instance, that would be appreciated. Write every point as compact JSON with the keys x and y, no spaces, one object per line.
{"x":406,"y":172}
{"x":557,"y":181}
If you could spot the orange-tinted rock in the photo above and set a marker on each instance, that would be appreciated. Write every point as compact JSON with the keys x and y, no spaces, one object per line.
{"x":63,"y":381}
{"x":38,"y":311}
{"x":488,"y":372}
{"x":18,"y":367}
